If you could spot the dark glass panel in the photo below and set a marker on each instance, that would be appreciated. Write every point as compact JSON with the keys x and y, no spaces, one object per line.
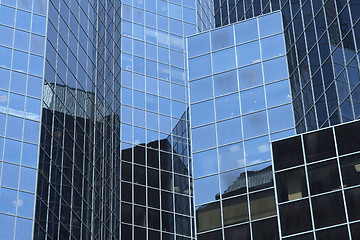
{"x":328,"y":210}
{"x":308,"y":236}
{"x":350,"y":170}
{"x":291,"y":185}
{"x":235,"y":210}
{"x":154,"y":218}
{"x":295,"y":217}
{"x":139,"y":216}
{"x":139,"y":233}
{"x":262,"y":204}
{"x":287,"y":153}
{"x":348,"y":138}
{"x":153,"y":198}
{"x":352,"y":203}
{"x":139,"y":194}
{"x":333,"y":234}
{"x":167,"y":221}
{"x":208,"y":216}
{"x":126,"y":232}
{"x":355,"y":230}
{"x":265,"y":229}
{"x":319,"y":145}
{"x":241,"y":232}
{"x":216,"y":235}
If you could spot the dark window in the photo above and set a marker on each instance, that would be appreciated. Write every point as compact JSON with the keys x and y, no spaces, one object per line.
{"x":167,"y":222}
{"x":308,"y":236}
{"x":328,"y":210}
{"x":324,"y":177}
{"x":262,"y":204}
{"x":350,"y":170}
{"x":348,"y":138}
{"x":319,"y":145}
{"x":154,"y":234}
{"x":295,"y":217}
{"x":352,"y":203}
{"x":126,"y":192}
{"x":355,"y":230}
{"x":126,"y":232}
{"x":241,"y":232}
{"x":153,"y":198}
{"x":265,"y":229}
{"x":140,"y":216}
{"x":291,"y":185}
{"x":139,"y":173}
{"x":126,"y":215}
{"x":235,"y":210}
{"x":154,"y":218}
{"x":139,"y":194}
{"x":287,"y":153}
{"x":208,"y":216}
{"x":139,"y":233}
{"x":333,"y":234}
{"x":216,"y":235}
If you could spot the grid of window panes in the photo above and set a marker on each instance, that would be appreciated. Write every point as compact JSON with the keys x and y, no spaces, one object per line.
{"x":240,"y":100}
{"x":22,"y":30}
{"x":231,"y":11}
{"x":322,"y":41}
{"x":77,"y":193}
{"x":317,"y":183}
{"x":205,"y":15}
{"x":154,"y":120}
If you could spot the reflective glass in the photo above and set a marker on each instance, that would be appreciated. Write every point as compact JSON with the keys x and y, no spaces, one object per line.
{"x":22,"y":40}
{"x":250,"y":76}
{"x":7,"y":225}
{"x":281,"y":118}
{"x":260,"y":176}
{"x":222,"y":37}
{"x":291,"y":184}
{"x":350,"y":169}
{"x":272,"y":46}
{"x":225,"y":83}
{"x":206,"y":189}
{"x":231,"y":156}
{"x":319,"y":145}
{"x":201,"y":89}
{"x":25,"y":204}
{"x":278,"y":93}
{"x":227,"y":107}
{"x":23,"y":20}
{"x":275,"y":69}
{"x":241,"y":232}
{"x":229,"y":131}
{"x":262,"y":204}
{"x":270,"y":24}
{"x":12,"y":151}
{"x":27,"y":179}
{"x":248,"y":53}
{"x":246,"y":31}
{"x":224,"y":60}
{"x":6,"y":36}
{"x":7,"y":15}
{"x":208,"y":217}
{"x":252,"y":100}
{"x":255,"y":124}
{"x":257,"y":150}
{"x":14,"y":127}
{"x":10,"y":175}
{"x":31,"y":131}
{"x":199,"y":66}
{"x":7,"y":199}
{"x":205,"y":163}
{"x":23,"y":229}
{"x":5,"y":59}
{"x":204,"y":137}
{"x":233,"y":182}
{"x":235,"y":210}
{"x":18,"y":82}
{"x":4,"y":84}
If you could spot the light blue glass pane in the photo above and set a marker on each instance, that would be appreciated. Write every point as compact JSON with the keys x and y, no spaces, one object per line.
{"x":152,"y":121}
{"x":38,"y":24}
{"x":175,"y":11}
{"x":229,"y":131}
{"x":7,"y":199}
{"x":7,"y":224}
{"x":33,"y":107}
{"x":163,"y":71}
{"x":178,"y":109}
{"x":139,"y":65}
{"x":225,"y":83}
{"x":20,"y":61}
{"x":126,"y":28}
{"x":151,"y":102}
{"x":206,"y":189}
{"x":16,"y":104}
{"x":126,"y":133}
{"x":139,"y":135}
{"x":139,"y":99}
{"x":29,"y":155}
{"x":224,"y":60}
{"x":2,"y":124}
{"x":164,"y":106}
{"x":272,"y":46}
{"x":252,"y":100}
{"x":40,"y":6}
{"x":281,"y":118}
{"x":178,"y":92}
{"x":36,"y":66}
{"x":138,"y":31}
{"x":5,"y":59}
{"x":164,"y":89}
{"x":150,"y":5}
{"x":231,"y":156}
{"x":278,"y":93}
{"x":31,"y":131}
{"x":255,"y":124}
{"x":231,"y":179}
{"x":250,"y":76}
{"x":26,"y":5}
{"x":275,"y":69}
{"x":18,"y":82}
{"x":246,"y":31}
{"x":25,"y":205}
{"x":126,"y":96}
{"x":227,"y":107}
{"x":200,"y":67}
{"x":202,"y":113}
{"x":248,"y":53}
{"x":204,"y":137}
{"x":270,"y":24}
{"x":126,"y":114}
{"x":257,"y":150}
{"x":165,"y":124}
{"x":10,"y":175}
{"x":201,"y":89}
{"x":14,"y":127}
{"x":4,"y":79}
{"x":177,"y":75}
{"x":151,"y":85}
{"x":22,"y":40}
{"x":7,"y":15}
{"x":222,"y":37}
{"x":37,"y":44}
{"x":189,"y":15}
{"x":23,"y":229}
{"x":283,"y":134}
{"x":27,"y":179}
{"x":23,"y":20}
{"x":205,"y":163}
{"x":6,"y":36}
{"x":12,"y":151}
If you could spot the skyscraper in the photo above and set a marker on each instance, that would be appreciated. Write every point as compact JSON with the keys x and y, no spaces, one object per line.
{"x":164,"y":119}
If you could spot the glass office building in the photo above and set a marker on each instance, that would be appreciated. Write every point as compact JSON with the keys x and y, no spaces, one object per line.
{"x":163,"y":119}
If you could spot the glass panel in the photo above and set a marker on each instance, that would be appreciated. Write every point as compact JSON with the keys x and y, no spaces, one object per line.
{"x":287,"y":153}
{"x":308,"y":236}
{"x":233,"y":182}
{"x":227,"y":107}
{"x":319,"y":145}
{"x":350,"y":169}
{"x":272,"y":46}
{"x":248,"y":53}
{"x":7,"y":224}
{"x":225,"y":83}
{"x":12,"y":151}
{"x":255,"y":124}
{"x":201,"y":89}
{"x":260,"y":176}
{"x":208,"y":216}
{"x":252,"y":100}
{"x":202,"y":113}
{"x":231,"y":156}
{"x":333,"y":234}
{"x":291,"y":185}
{"x":23,"y":229}
{"x":265,"y":229}
{"x":262,"y":204}
{"x":246,"y":31}
{"x":25,"y":204}
{"x":235,"y":210}
{"x":250,"y":76}
{"x":199,"y":67}
{"x":211,"y":235}
{"x":222,"y":37}
{"x":207,"y":189}
{"x":204,"y":137}
{"x":8,"y":198}
{"x":270,"y":24}
{"x":278,"y":93}
{"x":241,"y":232}
{"x":355,"y":230}
{"x":352,"y":203}
{"x":275,"y":69}
{"x":323,"y":177}
{"x":257,"y":150}
{"x":347,"y":137}
{"x":229,"y":131}
{"x":281,"y":118}
{"x":224,"y":60}
{"x":10,"y":175}
{"x":205,"y":163}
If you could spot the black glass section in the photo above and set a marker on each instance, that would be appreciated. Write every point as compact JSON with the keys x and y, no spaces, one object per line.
{"x":324,"y":177}
{"x":167,"y":221}
{"x":126,"y":232}
{"x":347,"y":138}
{"x":154,"y":218}
{"x":355,"y":230}
{"x":241,"y":232}
{"x":287,"y":153}
{"x":139,"y":233}
{"x":352,"y":197}
{"x":211,"y":236}
{"x":295,"y":217}
{"x":333,"y":234}
{"x":235,"y":210}
{"x":208,"y":216}
{"x":350,"y":170}
{"x":328,"y":210}
{"x":308,"y":236}
{"x":319,"y":145}
{"x":262,"y":204}
{"x":140,"y":216}
{"x":265,"y":229}
{"x":291,"y":184}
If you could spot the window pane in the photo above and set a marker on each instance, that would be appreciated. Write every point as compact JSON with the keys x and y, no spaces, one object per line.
{"x":233,"y":182}
{"x":199,"y":44}
{"x":231,"y":156}
{"x":199,"y":67}
{"x":248,"y":53}
{"x":201,"y":89}
{"x":249,"y":27}
{"x":229,"y":131}
{"x":260,"y":176}
{"x":352,"y":203}
{"x":208,"y":216}
{"x":347,"y":137}
{"x":291,"y":184}
{"x":278,"y":93}
{"x":222,"y":37}
{"x":241,"y":232}
{"x":272,"y":46}
{"x":255,"y":124}
{"x":205,"y":163}
{"x":250,"y":76}
{"x":265,"y":229}
{"x":252,"y":100}
{"x":257,"y":150}
{"x":225,"y":83}
{"x":287,"y":153}
{"x":350,"y":169}
{"x":275,"y":69}
{"x":333,"y":234}
{"x":323,"y":177}
{"x":262,"y":204}
{"x":270,"y":24}
{"x":281,"y":118}
{"x":202,"y":113}
{"x":227,"y":107}
{"x":206,"y":189}
{"x":204,"y":137}
{"x":235,"y":210}
{"x":224,"y":60}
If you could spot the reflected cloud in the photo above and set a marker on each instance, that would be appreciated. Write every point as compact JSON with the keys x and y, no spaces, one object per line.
{"x":18,"y":203}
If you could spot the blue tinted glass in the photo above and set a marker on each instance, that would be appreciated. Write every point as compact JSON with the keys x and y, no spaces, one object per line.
{"x":36,"y":65}
{"x":206,"y":189}
{"x":205,"y":163}
{"x":200,"y":66}
{"x":37,"y":44}
{"x":231,"y":156}
{"x":23,"y":229}
{"x":18,"y":82}
{"x":6,"y":36}
{"x":23,"y":20}
{"x":278,"y":93}
{"x":275,"y":69}
{"x":38,"y":24}
{"x":248,"y":53}
{"x":281,"y":118}
{"x":229,"y":179}
{"x":229,"y":131}
{"x":7,"y":199}
{"x":12,"y":151}
{"x":20,"y":61}
{"x":250,"y":76}
{"x":22,"y":40}
{"x":7,"y":226}
{"x":224,"y":60}
{"x":272,"y":46}
{"x":34,"y":86}
{"x":255,"y":124}
{"x":201,"y":89}
{"x":27,"y":179}
{"x":10,"y":175}
{"x":164,"y":106}
{"x":139,"y":99}
{"x":29,"y":156}
{"x":221,"y":38}
{"x":31,"y":131}
{"x":2,"y":124}
{"x":284,"y":134}
{"x":257,"y":150}
{"x":16,"y":104}
{"x":5,"y":59}
{"x":270,"y":24}
{"x":252,"y":100}
{"x":7,"y":15}
{"x":202,"y":113}
{"x":225,"y":83}
{"x":246,"y":31}
{"x":14,"y":127}
{"x":26,"y":5}
{"x":227,"y":107}
{"x":25,"y":205}
{"x":33,"y":107}
{"x":204,"y":137}
{"x":4,"y":80}
{"x":126,"y":133}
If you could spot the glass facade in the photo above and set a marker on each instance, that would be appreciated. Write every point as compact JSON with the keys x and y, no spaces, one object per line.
{"x":239,"y":101}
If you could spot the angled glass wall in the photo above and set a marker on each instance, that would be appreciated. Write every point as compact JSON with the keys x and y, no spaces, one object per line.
{"x":239,"y":101}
